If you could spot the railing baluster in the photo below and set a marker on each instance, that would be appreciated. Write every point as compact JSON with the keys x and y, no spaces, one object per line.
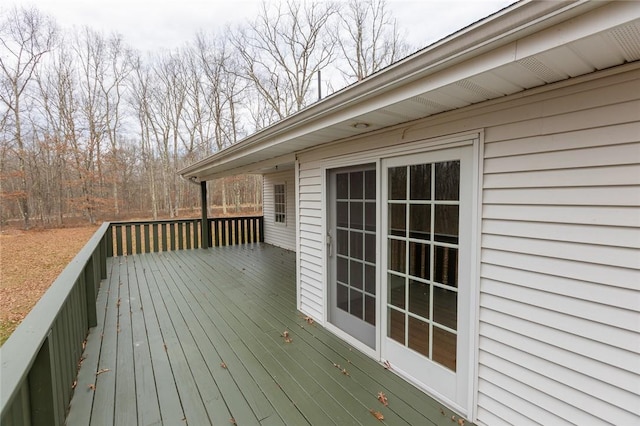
{"x":163,"y":231}
{"x":147,"y":240}
{"x":155,"y":238}
{"x":180,"y":236}
{"x":187,"y":231}
{"x":172,"y":235}
{"x":138,"y":238}
{"x":129,"y":242}
{"x":119,"y":247}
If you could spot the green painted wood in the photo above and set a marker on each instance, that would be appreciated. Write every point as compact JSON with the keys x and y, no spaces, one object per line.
{"x":156,"y":244}
{"x":89,"y":285}
{"x":231,"y":304}
{"x":157,"y":393}
{"x":188,"y":234}
{"x":119,"y":247}
{"x":192,"y":401}
{"x":163,"y":231}
{"x":138,"y":232}
{"x":43,"y":408}
{"x":334,"y":393}
{"x":147,"y":239}
{"x":172,"y":235}
{"x":180,"y":236}
{"x":125,"y":391}
{"x":103,"y":385}
{"x":129,"y":239}
{"x":82,"y":401}
{"x":109,"y":242}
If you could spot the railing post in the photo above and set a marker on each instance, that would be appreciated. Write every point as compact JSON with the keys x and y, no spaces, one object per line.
{"x":205,"y":221}
{"x":44,"y":410}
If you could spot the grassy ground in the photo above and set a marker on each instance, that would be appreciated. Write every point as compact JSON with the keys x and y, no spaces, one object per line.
{"x":29,"y":262}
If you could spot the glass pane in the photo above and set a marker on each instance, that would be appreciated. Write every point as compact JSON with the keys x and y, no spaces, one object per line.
{"x":370,"y":216}
{"x":419,"y":298}
{"x":355,"y":216}
{"x":396,"y":290}
{"x":355,"y":249}
{"x":370,"y":248}
{"x":370,"y":185}
{"x":446,"y":224}
{"x":419,"y":336}
{"x":355,"y":274}
{"x":342,"y":214}
{"x":446,"y":266}
{"x":445,"y":307}
{"x":370,"y":310}
{"x":420,"y":185}
{"x":397,"y":255}
{"x":356,"y":185}
{"x":342,"y":270}
{"x":370,"y":279}
{"x":342,"y":185}
{"x":419,"y":260}
{"x":342,"y":242}
{"x":342,"y":297}
{"x":398,"y":183}
{"x":448,"y":180}
{"x":356,"y":307}
{"x":420,"y":221}
{"x":397,"y":220}
{"x":396,"y":326}
{"x":444,"y":348}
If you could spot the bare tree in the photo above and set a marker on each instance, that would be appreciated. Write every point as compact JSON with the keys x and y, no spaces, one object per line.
{"x":281,"y":52}
{"x":368,"y":38}
{"x":26,"y":36}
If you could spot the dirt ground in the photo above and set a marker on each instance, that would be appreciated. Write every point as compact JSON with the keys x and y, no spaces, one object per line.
{"x":29,"y":262}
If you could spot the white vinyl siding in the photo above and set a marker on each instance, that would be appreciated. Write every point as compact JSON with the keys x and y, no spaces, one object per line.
{"x":559,"y":313}
{"x":559,"y":331}
{"x":311,"y":241}
{"x":275,"y":233}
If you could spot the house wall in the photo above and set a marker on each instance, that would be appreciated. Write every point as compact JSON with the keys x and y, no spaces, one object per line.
{"x":559,"y":301}
{"x":278,"y":234}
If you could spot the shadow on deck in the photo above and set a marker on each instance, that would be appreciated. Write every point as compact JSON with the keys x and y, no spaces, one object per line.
{"x":197,"y":337}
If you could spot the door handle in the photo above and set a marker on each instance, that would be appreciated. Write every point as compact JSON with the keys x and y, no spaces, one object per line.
{"x":329,"y":244}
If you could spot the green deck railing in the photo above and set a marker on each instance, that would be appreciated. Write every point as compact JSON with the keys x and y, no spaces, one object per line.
{"x":179,"y":234}
{"x":39,"y":361}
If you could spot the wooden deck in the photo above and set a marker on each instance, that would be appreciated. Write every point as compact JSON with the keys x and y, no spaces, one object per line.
{"x":196,"y":337}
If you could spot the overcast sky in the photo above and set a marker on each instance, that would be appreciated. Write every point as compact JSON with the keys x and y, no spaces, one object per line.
{"x":150,"y":25}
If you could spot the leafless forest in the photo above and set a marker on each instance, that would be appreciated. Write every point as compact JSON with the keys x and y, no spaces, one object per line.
{"x":93,"y":129}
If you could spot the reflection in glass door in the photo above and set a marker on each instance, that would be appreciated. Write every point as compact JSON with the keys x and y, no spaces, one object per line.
{"x":352,"y":252}
{"x":423,"y":203}
{"x":427,"y":219}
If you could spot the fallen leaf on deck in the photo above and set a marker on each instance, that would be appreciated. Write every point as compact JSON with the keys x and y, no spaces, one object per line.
{"x":308,"y":319}
{"x":377,"y":414}
{"x":387,"y":365}
{"x":461,"y":422}
{"x":92,"y":387}
{"x":232,"y":421}
{"x":287,"y":339}
{"x":104,"y":370}
{"x":383,"y":399}
{"x":74,"y":384}
{"x":345,"y":372}
{"x":223,"y":365}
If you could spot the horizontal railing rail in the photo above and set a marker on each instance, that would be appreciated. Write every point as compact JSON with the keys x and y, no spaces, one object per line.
{"x":39,"y":361}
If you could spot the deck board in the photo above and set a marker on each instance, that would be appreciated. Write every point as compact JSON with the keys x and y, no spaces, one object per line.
{"x":195,"y":337}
